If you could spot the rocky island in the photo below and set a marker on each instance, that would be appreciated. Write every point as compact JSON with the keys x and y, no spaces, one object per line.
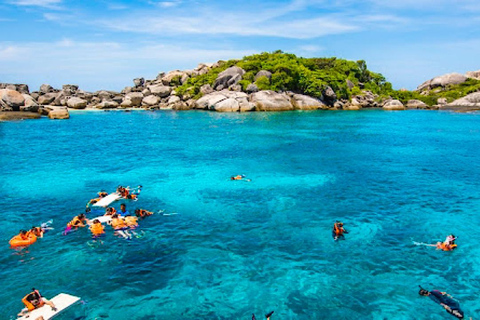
{"x":263,"y":82}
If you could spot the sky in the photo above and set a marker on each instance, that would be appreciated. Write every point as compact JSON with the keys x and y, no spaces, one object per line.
{"x":100,"y":44}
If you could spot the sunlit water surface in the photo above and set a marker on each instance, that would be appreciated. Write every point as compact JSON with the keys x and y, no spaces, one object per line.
{"x":237,"y":248}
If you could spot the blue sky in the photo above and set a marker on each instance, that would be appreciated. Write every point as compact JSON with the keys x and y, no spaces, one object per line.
{"x":105,"y":44}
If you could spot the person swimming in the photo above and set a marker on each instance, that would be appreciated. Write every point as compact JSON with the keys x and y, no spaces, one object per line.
{"x":34,"y":300}
{"x":123,"y":210}
{"x":120,"y":227}
{"x":132,"y":224}
{"x":79,"y":221}
{"x":110,"y":211}
{"x":338,"y":231}
{"x":97,"y":229}
{"x":37,"y":231}
{"x":267,"y":316}
{"x":448,"y":244}
{"x":240,"y":177}
{"x":445,"y":300}
{"x":141,"y":213}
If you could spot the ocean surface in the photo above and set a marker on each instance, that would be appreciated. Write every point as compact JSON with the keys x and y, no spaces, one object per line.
{"x":233,"y":248}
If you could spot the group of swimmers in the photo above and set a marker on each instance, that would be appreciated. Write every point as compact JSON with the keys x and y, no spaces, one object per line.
{"x":122,"y":222}
{"x":445,"y":300}
{"x":25,"y":238}
{"x":124,"y":192}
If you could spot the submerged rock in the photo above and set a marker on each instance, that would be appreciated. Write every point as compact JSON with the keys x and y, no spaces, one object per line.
{"x":18,"y":115}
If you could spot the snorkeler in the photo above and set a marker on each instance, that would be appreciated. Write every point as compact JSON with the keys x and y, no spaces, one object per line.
{"x":97,"y":229}
{"x":34,"y":300}
{"x":267,"y":316}
{"x":240,"y":177}
{"x":445,"y":300}
{"x":79,"y":221}
{"x":141,"y":213}
{"x":338,"y":231}
{"x":120,"y":227}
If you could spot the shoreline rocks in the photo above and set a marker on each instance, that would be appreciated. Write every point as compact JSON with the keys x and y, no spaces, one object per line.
{"x":227,"y":93}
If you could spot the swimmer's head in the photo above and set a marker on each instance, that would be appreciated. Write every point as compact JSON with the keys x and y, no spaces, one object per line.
{"x":423,"y":292}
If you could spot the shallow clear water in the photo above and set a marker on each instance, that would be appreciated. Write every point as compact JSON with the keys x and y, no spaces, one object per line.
{"x":237,"y":248}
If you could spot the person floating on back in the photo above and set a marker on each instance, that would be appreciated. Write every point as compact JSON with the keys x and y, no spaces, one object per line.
{"x":445,"y":300}
{"x":240,"y":177}
{"x":448,"y":244}
{"x":34,"y":300}
{"x":338,"y":231}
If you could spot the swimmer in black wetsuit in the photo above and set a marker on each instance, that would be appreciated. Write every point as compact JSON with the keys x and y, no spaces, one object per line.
{"x":267,"y":316}
{"x":445,"y":300}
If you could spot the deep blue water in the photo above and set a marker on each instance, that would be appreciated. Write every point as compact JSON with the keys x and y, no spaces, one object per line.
{"x":237,"y":248}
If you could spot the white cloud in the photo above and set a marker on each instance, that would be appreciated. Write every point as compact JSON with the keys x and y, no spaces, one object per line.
{"x":51,"y":4}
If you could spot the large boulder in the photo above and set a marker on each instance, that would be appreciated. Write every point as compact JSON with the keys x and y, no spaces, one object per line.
{"x":58,"y":113}
{"x":442,"y":81}
{"x":225,"y":101}
{"x":22,"y":88}
{"x":416,"y":104}
{"x":329,"y":96}
{"x":263,"y":73}
{"x":206,"y":89}
{"x":160,"y":90}
{"x":77,"y":103}
{"x":252,"y":87}
{"x":473,"y":74}
{"x":268,"y":100}
{"x":138,"y":82}
{"x":151,"y":100}
{"x":303,"y":102}
{"x":107,"y":104}
{"x":173,"y":78}
{"x":46,"y":88}
{"x":47,"y":98}
{"x":11,"y":98}
{"x":228,"y":77}
{"x":134,"y":98}
{"x":69,"y":89}
{"x":468,"y":103}
{"x":393,"y":105}
{"x":30,"y":104}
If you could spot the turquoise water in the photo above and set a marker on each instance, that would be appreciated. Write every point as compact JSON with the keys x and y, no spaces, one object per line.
{"x":237,"y":248}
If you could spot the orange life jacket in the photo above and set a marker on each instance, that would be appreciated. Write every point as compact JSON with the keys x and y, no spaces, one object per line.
{"x":131,"y":221}
{"x":37,"y":232}
{"x":446,"y":247}
{"x":338,"y":230}
{"x":29,"y":305}
{"x":75,"y":222}
{"x":97,"y":229}
{"x":118,"y":223}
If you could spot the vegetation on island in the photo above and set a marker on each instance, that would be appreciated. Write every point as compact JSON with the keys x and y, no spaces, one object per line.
{"x":311,"y":76}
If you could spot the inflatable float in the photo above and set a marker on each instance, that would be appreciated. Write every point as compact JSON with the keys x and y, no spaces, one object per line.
{"x":17,"y":241}
{"x":61,"y":301}
{"x":104,"y":202}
